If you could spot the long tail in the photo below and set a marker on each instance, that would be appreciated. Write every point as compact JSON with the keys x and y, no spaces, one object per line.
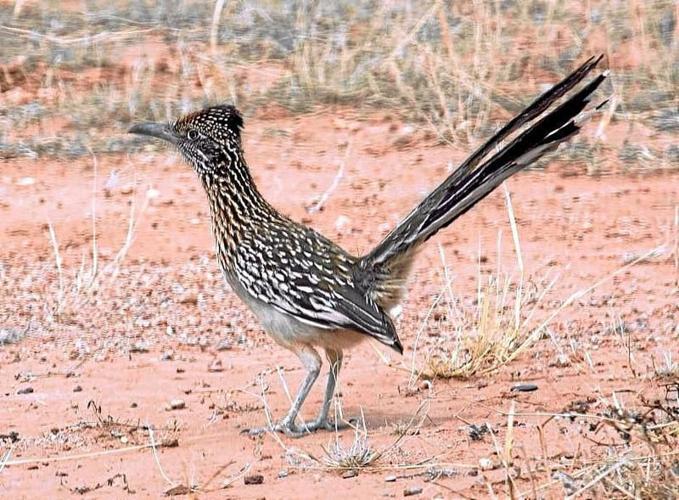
{"x":470,"y":183}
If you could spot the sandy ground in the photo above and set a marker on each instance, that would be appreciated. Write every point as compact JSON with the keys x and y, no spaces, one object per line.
{"x":102,"y":360}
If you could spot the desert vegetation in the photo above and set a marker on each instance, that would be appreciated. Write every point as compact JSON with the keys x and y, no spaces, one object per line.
{"x":541,"y":330}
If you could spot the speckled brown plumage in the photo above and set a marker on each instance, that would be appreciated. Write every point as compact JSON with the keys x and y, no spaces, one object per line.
{"x":308,"y":292}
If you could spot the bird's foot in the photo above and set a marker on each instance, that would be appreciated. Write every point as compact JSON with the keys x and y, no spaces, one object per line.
{"x":325,"y":424}
{"x":285,"y":426}
{"x":291,"y":429}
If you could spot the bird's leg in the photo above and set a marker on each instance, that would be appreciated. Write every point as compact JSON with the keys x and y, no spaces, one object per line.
{"x":312,"y":363}
{"x":322,"y":422}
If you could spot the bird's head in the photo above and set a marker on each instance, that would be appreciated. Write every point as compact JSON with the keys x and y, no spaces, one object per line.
{"x":209,"y":139}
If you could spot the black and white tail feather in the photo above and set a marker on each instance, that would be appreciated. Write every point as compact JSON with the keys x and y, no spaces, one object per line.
{"x":389,"y":263}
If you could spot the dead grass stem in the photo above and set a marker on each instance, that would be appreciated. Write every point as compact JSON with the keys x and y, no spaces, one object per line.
{"x":78,"y":285}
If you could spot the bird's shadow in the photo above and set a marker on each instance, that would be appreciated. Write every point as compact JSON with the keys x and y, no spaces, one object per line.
{"x":375,"y":420}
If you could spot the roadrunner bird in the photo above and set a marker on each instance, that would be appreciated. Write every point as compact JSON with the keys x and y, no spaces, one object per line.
{"x":306,"y":291}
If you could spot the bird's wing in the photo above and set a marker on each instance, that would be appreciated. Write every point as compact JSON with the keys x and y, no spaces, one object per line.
{"x":313,"y":283}
{"x":328,"y":305}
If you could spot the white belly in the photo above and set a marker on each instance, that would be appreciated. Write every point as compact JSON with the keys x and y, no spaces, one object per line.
{"x":288,"y":331}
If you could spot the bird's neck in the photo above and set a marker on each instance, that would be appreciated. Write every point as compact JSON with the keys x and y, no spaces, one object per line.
{"x":237,"y":209}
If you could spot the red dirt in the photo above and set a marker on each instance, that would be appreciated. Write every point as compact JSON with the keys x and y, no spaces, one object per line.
{"x":169,"y":302}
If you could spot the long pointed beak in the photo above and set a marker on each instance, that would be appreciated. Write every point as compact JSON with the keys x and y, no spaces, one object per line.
{"x":159,"y":130}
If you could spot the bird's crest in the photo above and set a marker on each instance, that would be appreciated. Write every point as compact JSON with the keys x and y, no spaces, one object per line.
{"x":222,"y":122}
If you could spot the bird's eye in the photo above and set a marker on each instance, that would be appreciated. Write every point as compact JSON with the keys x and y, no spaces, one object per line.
{"x":192,"y":135}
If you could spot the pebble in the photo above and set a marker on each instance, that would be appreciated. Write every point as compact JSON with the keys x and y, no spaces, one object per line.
{"x":12,"y":435}
{"x":562,"y":360}
{"x":26,"y":181}
{"x":169,"y":443}
{"x":224,"y":345}
{"x":139,"y":347}
{"x":525,"y":388}
{"x":10,"y":335}
{"x":349,"y":474}
{"x":412,"y":490}
{"x":342,"y":224}
{"x":176,"y":404}
{"x":189,"y":298}
{"x":77,"y":388}
{"x":25,"y":390}
{"x":180,"y":489}
{"x":407,"y":130}
{"x":253,"y":479}
{"x":216,"y":366}
{"x":390,"y":479}
{"x":485,"y":463}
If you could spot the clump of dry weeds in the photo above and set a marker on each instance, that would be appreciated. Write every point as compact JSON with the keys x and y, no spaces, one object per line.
{"x":488,"y":337}
{"x":497,"y":328}
{"x":641,"y":458}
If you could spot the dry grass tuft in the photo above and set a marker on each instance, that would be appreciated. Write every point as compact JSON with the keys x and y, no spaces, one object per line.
{"x":496,"y":330}
{"x":488,"y":337}
{"x":358,"y":455}
{"x":668,"y":368}
{"x":645,"y":464}
{"x":645,"y":478}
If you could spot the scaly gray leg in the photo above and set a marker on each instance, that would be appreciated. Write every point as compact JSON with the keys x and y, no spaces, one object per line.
{"x":312,"y":362}
{"x":322,"y":422}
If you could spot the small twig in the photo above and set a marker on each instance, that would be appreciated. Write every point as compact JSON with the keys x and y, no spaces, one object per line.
{"x":676,"y":243}
{"x":530,"y":470}
{"x":413,"y":370}
{"x":57,"y":260}
{"x":85,"y":40}
{"x":619,"y":488}
{"x":114,"y":266}
{"x":244,"y":470}
{"x":323,"y":198}
{"x":95,"y":252}
{"x":79,"y":456}
{"x":383,"y":357}
{"x":519,"y":255}
{"x":284,"y":383}
{"x":5,"y":459}
{"x":606,"y":119}
{"x":509,"y":437}
{"x":407,"y":39}
{"x":598,"y":478}
{"x":214,"y":31}
{"x":157,"y":459}
{"x":219,"y":470}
